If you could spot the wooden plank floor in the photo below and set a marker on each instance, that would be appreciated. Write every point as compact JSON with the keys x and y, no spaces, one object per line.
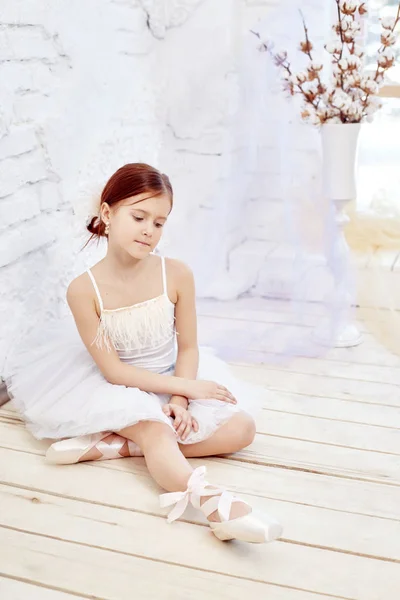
{"x":326,"y":462}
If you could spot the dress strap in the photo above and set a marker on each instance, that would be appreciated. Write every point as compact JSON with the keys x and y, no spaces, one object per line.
{"x":96,"y":289}
{"x":164,"y":276}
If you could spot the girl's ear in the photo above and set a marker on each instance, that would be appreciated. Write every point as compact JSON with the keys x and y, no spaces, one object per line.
{"x":105,"y":212}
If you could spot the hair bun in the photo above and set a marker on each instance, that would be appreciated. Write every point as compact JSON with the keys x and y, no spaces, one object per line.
{"x":96,"y":226}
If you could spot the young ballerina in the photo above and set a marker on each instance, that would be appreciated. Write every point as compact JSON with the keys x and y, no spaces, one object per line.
{"x":131,"y":382}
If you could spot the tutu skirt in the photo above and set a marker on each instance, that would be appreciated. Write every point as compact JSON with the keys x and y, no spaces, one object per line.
{"x":61,"y":393}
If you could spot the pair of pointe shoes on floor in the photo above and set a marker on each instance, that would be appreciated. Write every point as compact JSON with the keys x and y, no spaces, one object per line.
{"x":248,"y":528}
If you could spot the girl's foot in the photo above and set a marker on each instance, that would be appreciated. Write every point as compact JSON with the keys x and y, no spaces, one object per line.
{"x":98,"y":446}
{"x":229,"y":518}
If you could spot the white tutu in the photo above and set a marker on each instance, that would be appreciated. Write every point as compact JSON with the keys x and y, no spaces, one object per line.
{"x":61,"y":393}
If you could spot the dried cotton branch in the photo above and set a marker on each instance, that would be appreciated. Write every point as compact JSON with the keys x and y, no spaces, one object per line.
{"x":351,"y":96}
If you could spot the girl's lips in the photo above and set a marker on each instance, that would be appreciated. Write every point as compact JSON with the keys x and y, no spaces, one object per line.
{"x":142,"y":243}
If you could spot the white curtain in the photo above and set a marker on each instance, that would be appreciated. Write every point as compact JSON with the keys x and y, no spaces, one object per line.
{"x":266,"y":136}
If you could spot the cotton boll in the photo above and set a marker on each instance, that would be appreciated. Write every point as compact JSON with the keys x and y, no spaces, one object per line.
{"x":388,"y":53}
{"x":330,"y":112}
{"x":315,"y":66}
{"x":315,"y":120}
{"x":350,"y":26}
{"x":386,"y":58}
{"x":348,"y":7}
{"x":350,"y":81}
{"x":363,"y":10}
{"x":358,"y":50}
{"x":356,"y":26}
{"x":388,"y":38}
{"x":388,"y":22}
{"x":301,"y":77}
{"x":340,"y":100}
{"x":308,"y":115}
{"x":313,"y":87}
{"x":322,"y":115}
{"x":328,"y":92}
{"x":354,"y":62}
{"x":349,"y":37}
{"x":288,"y":87}
{"x":333,"y":47}
{"x":281,"y":57}
{"x":355,"y":111}
{"x":353,"y":108}
{"x":370,"y":86}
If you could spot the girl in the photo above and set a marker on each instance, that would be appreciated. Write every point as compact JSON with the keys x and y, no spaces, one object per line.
{"x":129,"y":389}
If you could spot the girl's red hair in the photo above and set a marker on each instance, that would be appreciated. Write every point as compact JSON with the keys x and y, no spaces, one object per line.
{"x":130,"y":180}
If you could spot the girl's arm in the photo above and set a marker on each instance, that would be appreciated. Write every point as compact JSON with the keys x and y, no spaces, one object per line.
{"x":187,"y":362}
{"x":83,"y":307}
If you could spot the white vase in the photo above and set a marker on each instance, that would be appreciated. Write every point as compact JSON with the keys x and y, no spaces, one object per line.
{"x":339,"y":151}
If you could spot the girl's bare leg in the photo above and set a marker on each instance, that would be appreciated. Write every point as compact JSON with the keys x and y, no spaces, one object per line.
{"x":231,"y":437}
{"x":236,"y":434}
{"x":165,"y":461}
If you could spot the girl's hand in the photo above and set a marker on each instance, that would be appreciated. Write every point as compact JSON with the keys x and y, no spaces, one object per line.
{"x":180,"y":401}
{"x":208,"y":390}
{"x":183,"y":420}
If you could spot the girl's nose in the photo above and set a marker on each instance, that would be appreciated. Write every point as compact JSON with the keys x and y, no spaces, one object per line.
{"x":148,"y":230}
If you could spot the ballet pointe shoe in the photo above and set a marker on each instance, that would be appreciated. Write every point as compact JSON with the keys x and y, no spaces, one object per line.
{"x":70,"y":451}
{"x":249,"y":528}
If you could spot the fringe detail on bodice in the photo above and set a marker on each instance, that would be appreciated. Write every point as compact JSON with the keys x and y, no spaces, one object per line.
{"x":143,"y":325}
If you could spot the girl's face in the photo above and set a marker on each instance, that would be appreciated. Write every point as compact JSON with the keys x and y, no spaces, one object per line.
{"x":136,"y":224}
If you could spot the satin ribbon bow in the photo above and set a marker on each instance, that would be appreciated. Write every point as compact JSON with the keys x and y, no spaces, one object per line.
{"x":193,"y":493}
{"x":196,"y":485}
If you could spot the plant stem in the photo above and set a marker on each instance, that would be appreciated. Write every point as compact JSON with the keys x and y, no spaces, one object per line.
{"x":342,"y":118}
{"x":309,"y":52}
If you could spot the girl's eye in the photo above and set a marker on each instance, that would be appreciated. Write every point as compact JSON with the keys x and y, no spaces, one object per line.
{"x":159,"y":225}
{"x":138,"y":218}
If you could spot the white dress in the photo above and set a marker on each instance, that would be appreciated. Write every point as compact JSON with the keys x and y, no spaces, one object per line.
{"x":61,"y":393}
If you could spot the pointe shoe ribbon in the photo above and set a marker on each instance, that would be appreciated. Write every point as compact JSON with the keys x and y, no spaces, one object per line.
{"x":70,"y":451}
{"x":194,"y":492}
{"x":247,"y":528}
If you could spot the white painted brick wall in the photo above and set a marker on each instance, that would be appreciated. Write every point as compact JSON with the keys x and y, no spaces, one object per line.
{"x":21,"y":141}
{"x":68,"y":95}
{"x":20,"y":170}
{"x":23,"y":203}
